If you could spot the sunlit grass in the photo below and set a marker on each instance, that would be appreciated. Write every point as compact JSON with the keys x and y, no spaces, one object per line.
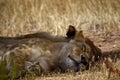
{"x":26,"y":16}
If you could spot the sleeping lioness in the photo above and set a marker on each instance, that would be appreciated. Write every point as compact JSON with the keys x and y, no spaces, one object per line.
{"x":41,"y":55}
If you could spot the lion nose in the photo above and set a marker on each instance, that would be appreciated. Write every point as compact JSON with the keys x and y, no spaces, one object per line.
{"x":82,"y":57}
{"x":84,"y":62}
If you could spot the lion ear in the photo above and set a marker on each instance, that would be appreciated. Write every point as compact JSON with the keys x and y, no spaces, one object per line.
{"x":81,"y":32}
{"x":71,"y":26}
{"x":71,"y":32}
{"x":79,"y":36}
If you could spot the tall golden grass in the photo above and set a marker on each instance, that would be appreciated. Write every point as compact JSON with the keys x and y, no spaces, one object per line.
{"x":26,"y":16}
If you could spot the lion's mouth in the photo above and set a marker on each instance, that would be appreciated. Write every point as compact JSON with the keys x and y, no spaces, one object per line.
{"x":81,"y":61}
{"x":76,"y":62}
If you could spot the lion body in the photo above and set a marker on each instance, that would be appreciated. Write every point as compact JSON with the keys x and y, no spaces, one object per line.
{"x":50,"y":55}
{"x":49,"y":52}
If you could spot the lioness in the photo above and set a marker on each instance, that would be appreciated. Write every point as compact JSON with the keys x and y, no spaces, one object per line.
{"x":63,"y":52}
{"x":46,"y":55}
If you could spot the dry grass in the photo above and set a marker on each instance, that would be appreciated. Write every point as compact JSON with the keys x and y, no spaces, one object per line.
{"x":26,"y":16}
{"x":93,"y":74}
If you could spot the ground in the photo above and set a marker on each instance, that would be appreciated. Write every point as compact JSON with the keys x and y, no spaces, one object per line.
{"x":107,"y":43}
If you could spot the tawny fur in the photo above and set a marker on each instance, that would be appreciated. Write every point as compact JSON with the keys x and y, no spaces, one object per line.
{"x":50,"y":54}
